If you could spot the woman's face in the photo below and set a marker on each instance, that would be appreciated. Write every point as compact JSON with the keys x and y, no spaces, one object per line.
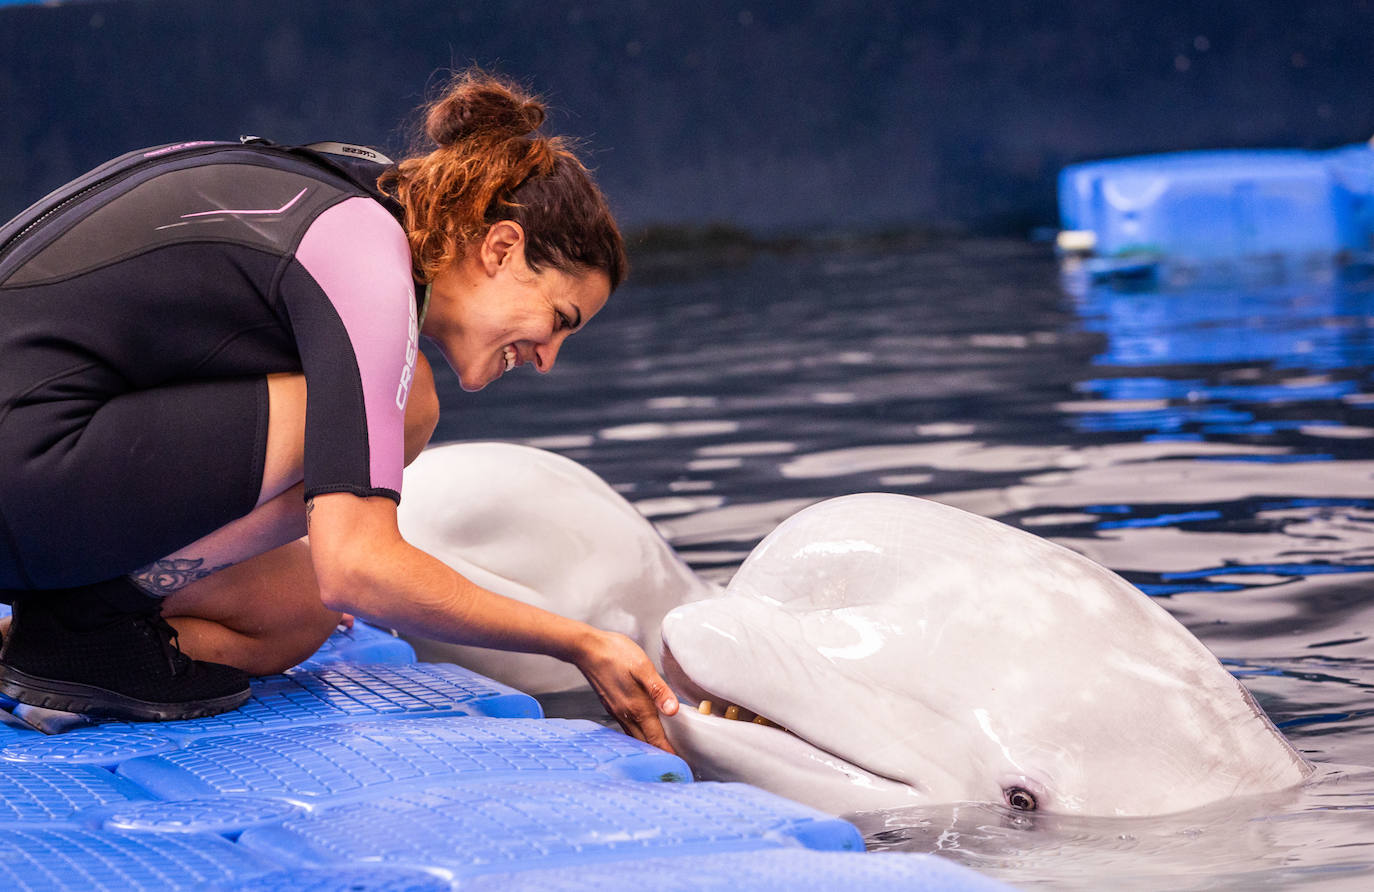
{"x":491,"y":313}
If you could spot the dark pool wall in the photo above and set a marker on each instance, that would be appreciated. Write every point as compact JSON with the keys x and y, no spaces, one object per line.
{"x":787,"y":115}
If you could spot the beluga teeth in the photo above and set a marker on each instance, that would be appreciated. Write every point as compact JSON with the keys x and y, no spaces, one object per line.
{"x":509,"y":355}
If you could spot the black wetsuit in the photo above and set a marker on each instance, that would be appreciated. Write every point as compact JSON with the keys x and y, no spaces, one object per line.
{"x":139,"y":316}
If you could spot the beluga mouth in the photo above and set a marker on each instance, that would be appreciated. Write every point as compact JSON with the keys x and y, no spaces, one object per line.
{"x":729,"y":741}
{"x":510,"y":356}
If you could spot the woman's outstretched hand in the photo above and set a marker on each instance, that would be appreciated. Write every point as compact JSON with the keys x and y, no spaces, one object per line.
{"x":629,"y":686}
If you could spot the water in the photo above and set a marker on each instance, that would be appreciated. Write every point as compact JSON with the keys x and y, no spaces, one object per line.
{"x":1212,"y":445}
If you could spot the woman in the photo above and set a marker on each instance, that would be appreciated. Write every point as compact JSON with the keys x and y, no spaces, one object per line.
{"x":209,"y":349}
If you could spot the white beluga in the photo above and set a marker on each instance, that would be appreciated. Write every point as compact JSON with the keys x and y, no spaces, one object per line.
{"x":536,"y":526}
{"x":913,"y":653}
{"x":895,"y":651}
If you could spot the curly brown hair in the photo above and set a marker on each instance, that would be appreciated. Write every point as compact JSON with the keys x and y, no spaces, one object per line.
{"x":490,"y":163}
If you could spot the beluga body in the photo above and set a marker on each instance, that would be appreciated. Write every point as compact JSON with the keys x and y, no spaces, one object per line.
{"x":901,"y":652}
{"x":535,"y":526}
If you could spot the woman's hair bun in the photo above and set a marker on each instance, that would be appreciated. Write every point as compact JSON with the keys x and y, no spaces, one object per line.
{"x":476,"y":104}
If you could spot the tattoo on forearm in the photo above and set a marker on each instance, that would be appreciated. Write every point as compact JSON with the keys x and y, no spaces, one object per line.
{"x":309,"y":509}
{"x":161,"y":578}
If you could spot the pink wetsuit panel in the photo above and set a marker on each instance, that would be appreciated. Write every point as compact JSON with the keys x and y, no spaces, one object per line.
{"x":359,"y":256}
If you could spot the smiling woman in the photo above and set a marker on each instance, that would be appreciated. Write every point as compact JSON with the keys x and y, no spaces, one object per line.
{"x":215,"y":344}
{"x":509,"y":228}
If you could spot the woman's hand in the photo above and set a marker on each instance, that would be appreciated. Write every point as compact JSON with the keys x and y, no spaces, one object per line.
{"x":366,"y":569}
{"x":629,"y":686}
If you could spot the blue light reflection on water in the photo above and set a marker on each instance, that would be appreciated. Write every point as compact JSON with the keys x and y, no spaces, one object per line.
{"x":1213,"y":446}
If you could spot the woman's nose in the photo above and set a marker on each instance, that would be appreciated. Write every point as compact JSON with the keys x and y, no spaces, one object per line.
{"x":545,"y":355}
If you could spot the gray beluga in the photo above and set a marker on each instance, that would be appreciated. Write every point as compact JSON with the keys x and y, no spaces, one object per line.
{"x":533,"y":525}
{"x":901,"y":652}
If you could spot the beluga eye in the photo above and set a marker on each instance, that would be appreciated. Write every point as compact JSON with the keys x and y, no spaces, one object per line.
{"x":1020,"y":799}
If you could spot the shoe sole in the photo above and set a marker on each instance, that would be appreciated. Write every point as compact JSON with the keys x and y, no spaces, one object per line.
{"x":70,"y":696}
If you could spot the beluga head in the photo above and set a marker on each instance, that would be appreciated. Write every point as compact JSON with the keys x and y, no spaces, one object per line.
{"x":901,"y":652}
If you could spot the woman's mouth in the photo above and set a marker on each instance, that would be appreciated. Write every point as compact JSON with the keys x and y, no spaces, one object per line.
{"x":511,"y":357}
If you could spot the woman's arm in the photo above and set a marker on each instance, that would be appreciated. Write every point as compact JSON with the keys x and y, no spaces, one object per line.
{"x":365,"y":568}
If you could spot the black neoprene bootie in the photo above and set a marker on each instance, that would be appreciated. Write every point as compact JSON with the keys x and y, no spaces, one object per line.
{"x":105,"y":650}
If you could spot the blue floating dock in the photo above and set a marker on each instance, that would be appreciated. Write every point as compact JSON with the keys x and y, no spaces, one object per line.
{"x":362,"y":769}
{"x":1209,"y":207}
{"x":774,"y":870}
{"x":510,"y":826}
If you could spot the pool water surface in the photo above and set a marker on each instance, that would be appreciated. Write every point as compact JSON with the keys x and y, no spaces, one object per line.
{"x":1211,"y":444}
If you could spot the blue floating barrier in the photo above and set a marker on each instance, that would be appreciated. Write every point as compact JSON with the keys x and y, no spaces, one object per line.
{"x":53,"y":795}
{"x":363,"y":643}
{"x":92,"y":861}
{"x":345,"y":691}
{"x":333,"y":763}
{"x":474,"y":829}
{"x":772,"y":870}
{"x":1203,"y":206}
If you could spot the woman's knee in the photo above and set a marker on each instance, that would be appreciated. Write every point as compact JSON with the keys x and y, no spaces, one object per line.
{"x":422,"y":409}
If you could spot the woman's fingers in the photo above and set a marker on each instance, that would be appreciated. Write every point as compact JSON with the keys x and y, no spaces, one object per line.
{"x":631,"y":690}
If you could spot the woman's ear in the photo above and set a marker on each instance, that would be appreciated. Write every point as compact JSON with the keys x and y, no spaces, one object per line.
{"x":504,"y":241}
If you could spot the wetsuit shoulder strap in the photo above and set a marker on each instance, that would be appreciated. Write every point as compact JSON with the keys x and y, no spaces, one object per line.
{"x":349,"y":150}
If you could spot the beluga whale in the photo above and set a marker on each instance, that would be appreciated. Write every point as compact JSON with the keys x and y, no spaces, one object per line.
{"x":541,"y":528}
{"x":878,"y":651}
{"x":874,"y":651}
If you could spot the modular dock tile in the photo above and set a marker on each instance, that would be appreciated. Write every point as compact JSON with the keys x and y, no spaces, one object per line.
{"x":363,"y":643}
{"x":91,"y":861}
{"x":769,"y":870}
{"x":56,"y":795}
{"x":346,"y":691}
{"x":328,"y":763}
{"x":498,"y":827}
{"x":91,"y":745}
{"x":349,"y":878}
{"x":14,"y":729}
{"x":220,"y":816}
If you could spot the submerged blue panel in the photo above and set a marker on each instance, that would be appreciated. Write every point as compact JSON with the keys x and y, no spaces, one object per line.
{"x":84,"y":860}
{"x":773,"y":870}
{"x":1224,"y":204}
{"x":330,"y":763}
{"x":57,"y":794}
{"x":363,"y":643}
{"x":495,"y":827}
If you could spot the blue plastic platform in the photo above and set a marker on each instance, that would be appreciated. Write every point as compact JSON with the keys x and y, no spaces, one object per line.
{"x":57,"y":859}
{"x":389,"y":775}
{"x":363,"y":643}
{"x":773,"y":870}
{"x":1225,"y":205}
{"x":351,"y":878}
{"x":59,"y":795}
{"x":334,"y":763}
{"x":331,"y":693}
{"x":506,"y":826}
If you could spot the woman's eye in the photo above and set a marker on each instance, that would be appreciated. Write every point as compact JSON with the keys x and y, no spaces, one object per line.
{"x":563,"y":322}
{"x":1020,"y":799}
